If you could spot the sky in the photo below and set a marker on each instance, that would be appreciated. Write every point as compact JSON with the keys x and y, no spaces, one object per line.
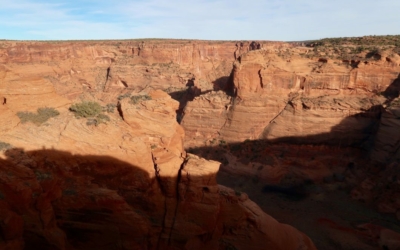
{"x":281,"y":20}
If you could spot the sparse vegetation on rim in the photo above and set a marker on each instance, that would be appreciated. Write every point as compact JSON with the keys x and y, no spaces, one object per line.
{"x":345,"y":48}
{"x":109,"y":108}
{"x":5,"y":146}
{"x":101,"y":118}
{"x":361,"y":41}
{"x":42,"y":115}
{"x":134,"y":98}
{"x":92,"y":111}
{"x":86,"y":109}
{"x":126,"y":95}
{"x":138,"y":98}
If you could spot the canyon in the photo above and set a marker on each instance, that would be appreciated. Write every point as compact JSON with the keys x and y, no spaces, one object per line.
{"x":295,"y":127}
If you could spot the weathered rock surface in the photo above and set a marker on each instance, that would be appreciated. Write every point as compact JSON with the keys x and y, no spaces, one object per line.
{"x":127,"y":184}
{"x":297,"y":100}
{"x":381,"y":185}
{"x":386,"y":146}
{"x":110,"y":68}
{"x":304,"y":102}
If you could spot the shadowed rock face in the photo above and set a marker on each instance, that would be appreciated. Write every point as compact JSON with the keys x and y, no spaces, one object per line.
{"x":58,"y":200}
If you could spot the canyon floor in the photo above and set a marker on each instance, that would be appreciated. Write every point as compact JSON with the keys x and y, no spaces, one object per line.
{"x":315,"y":194}
{"x":327,"y":215}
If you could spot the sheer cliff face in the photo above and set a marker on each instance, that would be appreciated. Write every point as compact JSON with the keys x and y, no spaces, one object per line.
{"x":124,"y":184}
{"x":297,"y":100}
{"x":107,"y":69}
{"x":309,"y":103}
{"x":381,"y":185}
{"x":111,"y":68}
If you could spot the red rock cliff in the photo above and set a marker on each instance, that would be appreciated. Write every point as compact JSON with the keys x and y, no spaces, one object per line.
{"x":311,"y":101}
{"x":124,"y":184}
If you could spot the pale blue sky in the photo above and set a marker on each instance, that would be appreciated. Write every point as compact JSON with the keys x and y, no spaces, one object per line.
{"x":286,"y":20}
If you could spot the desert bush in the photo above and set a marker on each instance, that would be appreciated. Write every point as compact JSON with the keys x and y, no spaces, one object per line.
{"x":109,"y":108}
{"x":126,"y":95}
{"x":26,"y":116}
{"x":51,"y":112}
{"x":91,"y":122}
{"x":101,"y":118}
{"x":4,"y":146}
{"x":359,"y":49}
{"x":42,"y":115}
{"x":86,"y":109}
{"x":238,"y":193}
{"x":92,"y":111}
{"x":41,"y":176}
{"x":138,"y":98}
{"x":395,"y":102}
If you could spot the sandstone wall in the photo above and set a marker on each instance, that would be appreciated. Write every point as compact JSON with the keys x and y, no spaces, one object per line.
{"x":126,"y":184}
{"x":298,"y":100}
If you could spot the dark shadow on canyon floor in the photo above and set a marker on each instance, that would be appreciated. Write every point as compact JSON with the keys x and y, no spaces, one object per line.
{"x":301,"y":180}
{"x":48,"y":197}
{"x":392,"y":91}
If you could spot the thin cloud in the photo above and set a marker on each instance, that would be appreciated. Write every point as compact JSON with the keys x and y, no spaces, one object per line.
{"x":197,"y":19}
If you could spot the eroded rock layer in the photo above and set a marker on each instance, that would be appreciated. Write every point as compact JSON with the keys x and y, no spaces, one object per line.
{"x":111,"y":68}
{"x":122,"y":184}
{"x":305,"y":103}
{"x":296,"y":100}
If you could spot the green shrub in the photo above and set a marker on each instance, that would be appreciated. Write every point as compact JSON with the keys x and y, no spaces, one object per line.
{"x":135,"y":98}
{"x":86,"y":109}
{"x":4,"y":146}
{"x":139,"y":98}
{"x":42,"y":115}
{"x":92,"y":111}
{"x":26,"y":116}
{"x":50,"y":112}
{"x":126,"y":95}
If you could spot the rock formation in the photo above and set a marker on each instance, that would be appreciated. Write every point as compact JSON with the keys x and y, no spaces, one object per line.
{"x":126,"y":184}
{"x":77,"y":67}
{"x":304,"y":100}
{"x":322,"y":120}
{"x":293,"y":118}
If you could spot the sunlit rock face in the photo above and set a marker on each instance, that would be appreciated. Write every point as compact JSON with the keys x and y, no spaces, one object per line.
{"x":106,"y":69}
{"x":298,"y":100}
